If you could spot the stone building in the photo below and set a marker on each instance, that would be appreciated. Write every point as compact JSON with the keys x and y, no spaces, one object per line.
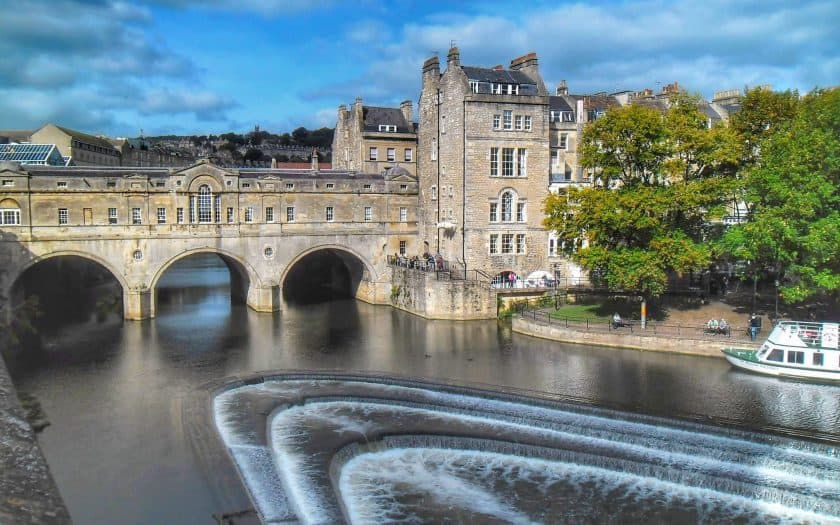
{"x":372,"y":139}
{"x":137,"y":221}
{"x":135,"y":152}
{"x":83,"y":149}
{"x":484,"y":139}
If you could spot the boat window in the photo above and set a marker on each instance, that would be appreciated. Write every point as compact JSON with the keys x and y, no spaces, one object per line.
{"x":818,"y":359}
{"x":796,"y":357}
{"x":775,"y":355}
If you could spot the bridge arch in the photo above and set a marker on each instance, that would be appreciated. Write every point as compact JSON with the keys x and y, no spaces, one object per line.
{"x":72,"y":253}
{"x":361,"y":273}
{"x":14,"y":287}
{"x":243,"y":277}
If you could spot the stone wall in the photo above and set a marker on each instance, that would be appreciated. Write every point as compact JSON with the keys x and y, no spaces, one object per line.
{"x":681,"y":345}
{"x":28,"y":493}
{"x":421,"y":293}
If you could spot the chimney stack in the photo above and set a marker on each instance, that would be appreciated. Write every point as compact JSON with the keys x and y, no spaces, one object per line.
{"x":454,"y":57}
{"x":524,"y":62}
{"x":431,"y":65}
{"x":562,"y":88}
{"x":405,"y":108}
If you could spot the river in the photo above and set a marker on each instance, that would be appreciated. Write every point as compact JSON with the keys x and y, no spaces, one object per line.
{"x":114,"y":390}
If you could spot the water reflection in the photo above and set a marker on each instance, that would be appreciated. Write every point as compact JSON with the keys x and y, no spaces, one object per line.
{"x":115,"y":391}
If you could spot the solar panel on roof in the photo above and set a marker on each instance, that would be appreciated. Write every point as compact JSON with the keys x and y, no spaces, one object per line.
{"x":31,"y":154}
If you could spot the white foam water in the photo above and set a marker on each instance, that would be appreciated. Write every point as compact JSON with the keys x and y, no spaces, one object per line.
{"x":642,"y":463}
{"x":374,"y":487}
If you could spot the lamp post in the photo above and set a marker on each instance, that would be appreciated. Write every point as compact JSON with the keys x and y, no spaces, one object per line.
{"x":776,"y":283}
{"x":755,"y":282}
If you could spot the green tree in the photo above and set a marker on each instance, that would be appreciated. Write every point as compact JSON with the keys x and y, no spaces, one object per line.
{"x":626,"y":145}
{"x":793,"y":194}
{"x":300,"y":135}
{"x":659,"y":178}
{"x":253,"y":154}
{"x":762,"y":112}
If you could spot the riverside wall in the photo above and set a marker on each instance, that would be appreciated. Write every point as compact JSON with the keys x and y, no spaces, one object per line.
{"x":28,"y":493}
{"x":623,"y":339}
{"x":422,"y":293}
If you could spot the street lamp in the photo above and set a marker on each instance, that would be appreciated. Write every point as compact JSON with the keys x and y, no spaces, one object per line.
{"x":776,"y":283}
{"x":755,"y":279}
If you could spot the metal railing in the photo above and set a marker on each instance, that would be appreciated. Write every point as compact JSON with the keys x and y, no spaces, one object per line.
{"x":652,"y":328}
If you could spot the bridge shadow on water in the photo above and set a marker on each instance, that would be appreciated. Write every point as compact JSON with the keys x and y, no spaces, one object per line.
{"x":325,"y":275}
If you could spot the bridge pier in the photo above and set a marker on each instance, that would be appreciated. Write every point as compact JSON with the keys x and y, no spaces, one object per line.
{"x":138,"y":305}
{"x":264,"y":298}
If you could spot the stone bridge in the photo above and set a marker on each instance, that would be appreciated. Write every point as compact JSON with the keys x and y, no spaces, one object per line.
{"x":265,"y":224}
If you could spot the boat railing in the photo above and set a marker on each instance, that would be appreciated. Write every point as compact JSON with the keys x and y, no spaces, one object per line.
{"x":809,"y":333}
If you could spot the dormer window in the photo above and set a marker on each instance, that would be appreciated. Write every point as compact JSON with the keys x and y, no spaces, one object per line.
{"x":387,"y":128}
{"x":562,"y":116}
{"x":474,"y":86}
{"x":504,"y":89}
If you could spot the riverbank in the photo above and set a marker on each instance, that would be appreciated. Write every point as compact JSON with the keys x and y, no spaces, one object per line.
{"x":28,"y":493}
{"x":624,"y":338}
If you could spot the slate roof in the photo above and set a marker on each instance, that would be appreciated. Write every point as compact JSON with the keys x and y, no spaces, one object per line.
{"x":498,"y":76}
{"x":598,"y":101}
{"x":710,"y":112}
{"x":658,"y":104}
{"x":376,"y":116}
{"x":251,"y":173}
{"x":558,"y":103}
{"x":486,"y":76}
{"x":96,"y":171}
{"x":88,"y":139}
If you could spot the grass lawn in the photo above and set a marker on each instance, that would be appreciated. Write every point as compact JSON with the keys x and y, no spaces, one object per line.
{"x":580,"y":311}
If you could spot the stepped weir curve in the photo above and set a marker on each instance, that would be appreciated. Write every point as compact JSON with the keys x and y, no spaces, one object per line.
{"x":328,"y":448}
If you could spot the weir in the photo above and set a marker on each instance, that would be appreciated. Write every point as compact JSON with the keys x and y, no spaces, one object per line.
{"x":352,"y":449}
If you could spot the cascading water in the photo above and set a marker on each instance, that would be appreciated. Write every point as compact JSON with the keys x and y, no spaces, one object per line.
{"x":326,"y":449}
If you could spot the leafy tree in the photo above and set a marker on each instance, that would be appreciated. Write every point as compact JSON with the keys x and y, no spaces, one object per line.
{"x":793,"y":193}
{"x":253,"y":154}
{"x":762,"y":112}
{"x":626,"y":145}
{"x":228,"y":146}
{"x":300,"y":135}
{"x":233,"y":138}
{"x":659,"y":178}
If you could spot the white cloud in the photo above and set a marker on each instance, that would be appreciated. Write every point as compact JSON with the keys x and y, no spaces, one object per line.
{"x":631,"y":45}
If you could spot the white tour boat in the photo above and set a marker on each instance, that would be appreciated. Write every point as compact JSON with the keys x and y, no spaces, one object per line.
{"x":794,"y":349}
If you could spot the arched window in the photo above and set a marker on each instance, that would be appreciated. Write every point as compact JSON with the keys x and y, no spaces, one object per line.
{"x":9,"y":212}
{"x":507,"y":206}
{"x":205,"y":204}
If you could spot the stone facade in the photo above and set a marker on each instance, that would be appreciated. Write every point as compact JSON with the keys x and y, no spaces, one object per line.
{"x":137,"y":222}
{"x":373,"y":139}
{"x":484,"y":139}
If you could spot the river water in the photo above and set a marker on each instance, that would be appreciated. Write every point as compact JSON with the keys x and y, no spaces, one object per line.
{"x":114,"y":390}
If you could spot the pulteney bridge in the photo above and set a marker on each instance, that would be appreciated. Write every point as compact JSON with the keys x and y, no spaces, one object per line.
{"x":265,"y":224}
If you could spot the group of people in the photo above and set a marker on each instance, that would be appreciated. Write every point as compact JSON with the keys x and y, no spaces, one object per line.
{"x":717,"y":327}
{"x":427,"y":262}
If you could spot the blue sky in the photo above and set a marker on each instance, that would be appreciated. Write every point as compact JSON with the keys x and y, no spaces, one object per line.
{"x":212,"y":66}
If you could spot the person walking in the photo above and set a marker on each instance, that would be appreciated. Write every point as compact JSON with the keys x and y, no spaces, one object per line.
{"x":755,"y":324}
